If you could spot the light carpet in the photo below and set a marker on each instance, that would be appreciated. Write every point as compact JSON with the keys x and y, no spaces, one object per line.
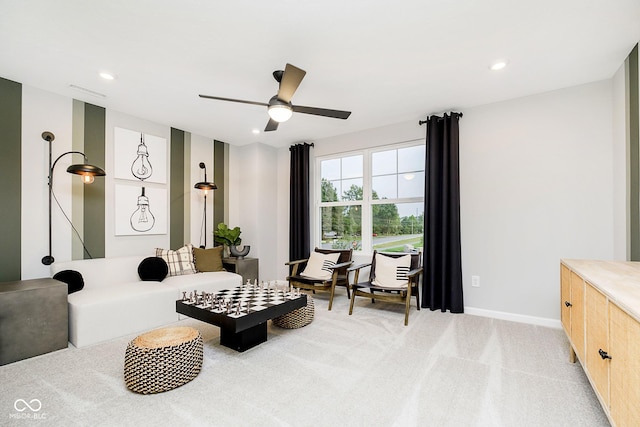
{"x":361,"y":370}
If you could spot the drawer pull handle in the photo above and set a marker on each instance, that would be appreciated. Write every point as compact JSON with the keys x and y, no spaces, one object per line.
{"x":604,"y":354}
{"x":567,"y":303}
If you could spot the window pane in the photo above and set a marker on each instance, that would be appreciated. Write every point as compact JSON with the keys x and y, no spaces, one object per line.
{"x":411,"y":184}
{"x":352,"y":189}
{"x":341,"y":227}
{"x":411,"y":159}
{"x":352,"y":167}
{"x":383,"y":162}
{"x":384,"y":187}
{"x":329,"y":190}
{"x":397,"y":227}
{"x":330,"y":169}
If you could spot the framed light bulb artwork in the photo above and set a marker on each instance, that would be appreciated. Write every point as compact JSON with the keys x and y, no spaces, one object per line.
{"x":140,"y":210}
{"x":139,"y":157}
{"x":140,"y":172}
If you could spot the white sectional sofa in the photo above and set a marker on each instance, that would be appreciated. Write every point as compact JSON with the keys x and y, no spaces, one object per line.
{"x":115,"y":302}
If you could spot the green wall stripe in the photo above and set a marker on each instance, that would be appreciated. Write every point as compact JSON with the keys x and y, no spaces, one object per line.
{"x":94,"y":194}
{"x":634,"y":153}
{"x":219,"y":148}
{"x":176,"y":190}
{"x":11,"y":179}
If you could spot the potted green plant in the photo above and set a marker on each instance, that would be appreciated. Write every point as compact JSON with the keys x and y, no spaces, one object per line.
{"x":230,"y":238}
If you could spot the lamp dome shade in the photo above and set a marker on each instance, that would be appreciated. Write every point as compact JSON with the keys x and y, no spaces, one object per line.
{"x":85,"y":169}
{"x":205,"y":186}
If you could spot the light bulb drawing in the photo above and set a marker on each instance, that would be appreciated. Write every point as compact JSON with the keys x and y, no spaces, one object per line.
{"x":141,"y":167}
{"x":142,"y":219}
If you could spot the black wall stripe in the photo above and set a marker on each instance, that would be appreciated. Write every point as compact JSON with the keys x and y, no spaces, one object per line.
{"x":94,"y":194}
{"x":176,"y":190}
{"x":11,"y":179}
{"x":218,"y":177}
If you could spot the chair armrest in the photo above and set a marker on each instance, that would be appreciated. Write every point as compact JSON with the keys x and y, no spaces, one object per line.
{"x":341,"y":265}
{"x":358,"y":267}
{"x":300,"y":261}
{"x":415,"y":272}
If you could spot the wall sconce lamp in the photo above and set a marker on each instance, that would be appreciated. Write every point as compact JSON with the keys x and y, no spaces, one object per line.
{"x":205,"y":186}
{"x":87,"y":171}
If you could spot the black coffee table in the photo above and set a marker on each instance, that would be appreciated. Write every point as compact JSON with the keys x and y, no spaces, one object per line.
{"x":241,"y":330}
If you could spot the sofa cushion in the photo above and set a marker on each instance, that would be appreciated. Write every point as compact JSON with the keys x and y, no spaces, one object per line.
{"x":72,"y":278}
{"x":180,"y":261}
{"x":208,"y":259}
{"x":153,"y":269}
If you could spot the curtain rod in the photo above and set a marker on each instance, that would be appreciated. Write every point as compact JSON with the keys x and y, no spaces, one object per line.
{"x":421,"y":122}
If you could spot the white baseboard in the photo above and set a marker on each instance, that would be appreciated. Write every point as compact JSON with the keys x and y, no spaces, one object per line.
{"x":521,"y":318}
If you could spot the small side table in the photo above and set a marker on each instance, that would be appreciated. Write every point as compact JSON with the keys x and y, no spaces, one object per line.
{"x":34,"y":318}
{"x":246,"y":267}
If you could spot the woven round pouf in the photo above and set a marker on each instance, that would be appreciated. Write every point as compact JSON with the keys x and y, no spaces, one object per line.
{"x":163,"y":359}
{"x":297,"y":318}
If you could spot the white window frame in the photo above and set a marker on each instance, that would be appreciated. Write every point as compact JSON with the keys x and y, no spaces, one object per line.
{"x":366,"y":202}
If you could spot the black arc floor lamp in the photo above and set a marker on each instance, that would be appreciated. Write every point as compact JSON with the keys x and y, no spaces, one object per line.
{"x":87,"y":171}
{"x":205,"y":186}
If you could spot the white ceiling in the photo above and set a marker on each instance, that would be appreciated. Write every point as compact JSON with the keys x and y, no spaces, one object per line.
{"x":386,"y":61}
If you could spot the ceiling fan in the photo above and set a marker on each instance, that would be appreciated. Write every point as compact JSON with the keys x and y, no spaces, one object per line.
{"x":279,"y":106}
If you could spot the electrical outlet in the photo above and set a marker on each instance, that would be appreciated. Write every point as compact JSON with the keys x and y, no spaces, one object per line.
{"x":475,"y":281}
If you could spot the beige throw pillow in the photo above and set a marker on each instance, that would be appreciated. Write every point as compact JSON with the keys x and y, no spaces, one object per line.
{"x":319,"y":265}
{"x":392,"y":272}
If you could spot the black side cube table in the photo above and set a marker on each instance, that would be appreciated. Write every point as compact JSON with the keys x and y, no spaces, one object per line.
{"x":34,"y":318}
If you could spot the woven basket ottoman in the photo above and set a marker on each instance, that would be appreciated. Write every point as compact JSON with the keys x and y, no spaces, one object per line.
{"x":163,"y":359}
{"x":297,"y":318}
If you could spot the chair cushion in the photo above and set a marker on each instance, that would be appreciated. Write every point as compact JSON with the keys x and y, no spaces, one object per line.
{"x":72,"y":278}
{"x":153,"y":269}
{"x":392,"y":272}
{"x":208,"y":259}
{"x":180,"y":261}
{"x":319,"y":265}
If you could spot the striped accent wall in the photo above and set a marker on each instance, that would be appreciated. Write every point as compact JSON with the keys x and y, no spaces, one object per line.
{"x":94,"y":206}
{"x":633,"y":129}
{"x":219,"y":167}
{"x":11,"y":178}
{"x":176,"y":190}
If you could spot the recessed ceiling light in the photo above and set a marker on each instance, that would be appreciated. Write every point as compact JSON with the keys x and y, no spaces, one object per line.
{"x":256,"y":131}
{"x":107,"y":76}
{"x":498,"y":65}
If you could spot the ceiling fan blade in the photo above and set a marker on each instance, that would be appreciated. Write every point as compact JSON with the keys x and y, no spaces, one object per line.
{"x":290,"y":81}
{"x":336,"y":114}
{"x":234,"y":100}
{"x":272,"y":125}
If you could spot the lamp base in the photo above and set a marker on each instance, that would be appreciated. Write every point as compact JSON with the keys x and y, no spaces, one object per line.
{"x":48,"y":260}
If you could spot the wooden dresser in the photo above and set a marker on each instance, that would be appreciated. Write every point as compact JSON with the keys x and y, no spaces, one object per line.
{"x":600,"y":312}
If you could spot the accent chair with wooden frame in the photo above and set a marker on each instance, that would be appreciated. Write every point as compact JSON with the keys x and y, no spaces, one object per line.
{"x":402,"y":293}
{"x":339,"y":275}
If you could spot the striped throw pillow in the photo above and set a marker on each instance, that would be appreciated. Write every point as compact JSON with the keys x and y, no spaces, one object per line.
{"x":392,"y":272}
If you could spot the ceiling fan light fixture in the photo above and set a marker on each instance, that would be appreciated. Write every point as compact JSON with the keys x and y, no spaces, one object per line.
{"x":280,"y":112}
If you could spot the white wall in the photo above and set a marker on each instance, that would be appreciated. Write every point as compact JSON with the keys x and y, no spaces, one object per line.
{"x":536,"y":186}
{"x":201,"y":151}
{"x":45,"y":111}
{"x":622,"y":242}
{"x":253,"y":191}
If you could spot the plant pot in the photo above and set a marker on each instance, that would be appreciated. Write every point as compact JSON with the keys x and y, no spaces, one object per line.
{"x":239,"y":251}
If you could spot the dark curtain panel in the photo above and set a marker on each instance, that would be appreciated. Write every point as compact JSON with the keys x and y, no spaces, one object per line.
{"x":299,"y":222}
{"x":442,"y":280}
